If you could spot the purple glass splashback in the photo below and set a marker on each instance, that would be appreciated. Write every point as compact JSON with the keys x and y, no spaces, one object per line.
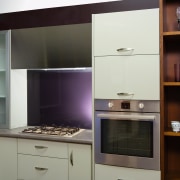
{"x":60,"y":98}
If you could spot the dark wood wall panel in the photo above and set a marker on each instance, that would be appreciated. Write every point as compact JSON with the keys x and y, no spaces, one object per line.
{"x":70,"y":14}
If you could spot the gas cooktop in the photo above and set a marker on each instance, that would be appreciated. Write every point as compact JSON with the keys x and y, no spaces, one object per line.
{"x":53,"y":130}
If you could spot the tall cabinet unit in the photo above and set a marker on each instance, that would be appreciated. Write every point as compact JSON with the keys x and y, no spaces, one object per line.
{"x":13,"y":87}
{"x":126,"y":65}
{"x":4,"y":78}
{"x":170,"y":89}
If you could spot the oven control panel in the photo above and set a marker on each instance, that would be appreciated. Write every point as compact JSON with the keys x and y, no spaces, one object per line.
{"x":125,"y":105}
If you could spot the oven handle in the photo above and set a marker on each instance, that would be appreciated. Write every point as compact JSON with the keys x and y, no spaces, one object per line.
{"x":127,"y":117}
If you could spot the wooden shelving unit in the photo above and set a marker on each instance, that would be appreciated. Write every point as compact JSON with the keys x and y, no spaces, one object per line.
{"x":170,"y":89}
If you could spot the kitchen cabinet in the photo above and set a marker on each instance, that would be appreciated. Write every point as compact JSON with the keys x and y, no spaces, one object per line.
{"x":42,"y":160}
{"x":170,"y":88}
{"x":53,"y":160}
{"x":127,"y":77}
{"x":126,"y":33}
{"x":80,"y":162}
{"x":126,"y":55}
{"x":4,"y":78}
{"x":45,"y":168}
{"x":13,"y":88}
{"x":117,"y":173}
{"x":8,"y":158}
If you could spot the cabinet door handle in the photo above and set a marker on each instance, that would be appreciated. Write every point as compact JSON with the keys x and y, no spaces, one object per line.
{"x":40,"y":147}
{"x":125,"y":94}
{"x":124,"y":49}
{"x":71,"y":158}
{"x":41,"y":169}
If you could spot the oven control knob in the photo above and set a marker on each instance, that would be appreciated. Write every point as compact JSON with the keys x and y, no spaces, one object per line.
{"x":110,"y":104}
{"x":141,"y":105}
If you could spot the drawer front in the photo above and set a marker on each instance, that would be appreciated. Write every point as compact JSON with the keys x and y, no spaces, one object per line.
{"x":44,"y":168}
{"x":119,"y":173}
{"x":43,"y":148}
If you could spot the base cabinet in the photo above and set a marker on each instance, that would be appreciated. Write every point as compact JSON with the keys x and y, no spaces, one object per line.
{"x":42,"y":160}
{"x":120,"y":173}
{"x":80,"y":162}
{"x":47,"y":160}
{"x":44,"y":168}
{"x":8,"y":158}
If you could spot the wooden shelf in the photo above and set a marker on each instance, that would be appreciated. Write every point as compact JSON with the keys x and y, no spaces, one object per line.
{"x":171,"y":133}
{"x":171,"y":83}
{"x":172,"y":33}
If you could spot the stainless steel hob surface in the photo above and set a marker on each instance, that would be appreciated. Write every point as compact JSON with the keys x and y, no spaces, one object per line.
{"x":53,"y":130}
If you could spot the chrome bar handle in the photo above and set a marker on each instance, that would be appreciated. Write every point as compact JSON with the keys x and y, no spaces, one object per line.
{"x":40,"y":147}
{"x":71,"y":158}
{"x":41,"y":169}
{"x":127,"y":116}
{"x":125,"y":94}
{"x":124,"y":49}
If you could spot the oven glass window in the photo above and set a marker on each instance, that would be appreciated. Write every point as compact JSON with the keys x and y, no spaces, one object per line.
{"x":126,"y":137}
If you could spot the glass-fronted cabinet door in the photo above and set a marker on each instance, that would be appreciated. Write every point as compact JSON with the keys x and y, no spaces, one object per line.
{"x":4,"y":78}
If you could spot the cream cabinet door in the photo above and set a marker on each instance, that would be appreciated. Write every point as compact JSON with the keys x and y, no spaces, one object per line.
{"x":125,"y":33}
{"x":119,"y":173}
{"x":80,"y":162}
{"x":127,"y":77}
{"x":41,"y":168}
{"x":8,"y":158}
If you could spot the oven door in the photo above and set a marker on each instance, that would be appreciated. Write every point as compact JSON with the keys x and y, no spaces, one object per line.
{"x":127,"y":139}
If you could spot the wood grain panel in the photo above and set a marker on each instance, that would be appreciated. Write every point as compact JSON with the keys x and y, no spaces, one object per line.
{"x":70,"y":14}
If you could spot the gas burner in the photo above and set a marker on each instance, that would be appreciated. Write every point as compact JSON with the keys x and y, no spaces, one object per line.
{"x":53,"y":130}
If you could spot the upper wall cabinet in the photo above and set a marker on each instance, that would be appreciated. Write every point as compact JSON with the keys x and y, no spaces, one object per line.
{"x":126,"y":33}
{"x":127,"y":77}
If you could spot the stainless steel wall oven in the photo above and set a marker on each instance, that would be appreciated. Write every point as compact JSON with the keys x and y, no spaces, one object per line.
{"x":127,"y":133}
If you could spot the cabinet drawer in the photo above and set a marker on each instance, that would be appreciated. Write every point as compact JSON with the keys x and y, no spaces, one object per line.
{"x":43,"y":148}
{"x":127,"y":32}
{"x":114,"y":173}
{"x":36,"y":168}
